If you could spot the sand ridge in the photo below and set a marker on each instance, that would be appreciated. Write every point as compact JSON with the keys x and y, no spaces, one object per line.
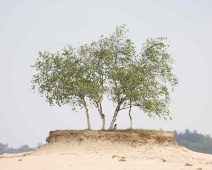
{"x":152,"y":150}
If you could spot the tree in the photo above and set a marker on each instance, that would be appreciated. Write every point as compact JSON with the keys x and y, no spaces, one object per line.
{"x":65,"y":78}
{"x":24,"y":148}
{"x":139,"y":80}
{"x":97,"y":63}
{"x":194,"y":141}
{"x":156,"y":64}
{"x":132,"y":89}
{"x":120,"y":52}
{"x":3,"y":148}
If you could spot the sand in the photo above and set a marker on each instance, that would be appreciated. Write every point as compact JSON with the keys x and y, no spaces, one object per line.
{"x":93,"y":152}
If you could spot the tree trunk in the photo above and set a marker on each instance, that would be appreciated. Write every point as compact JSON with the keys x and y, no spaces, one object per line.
{"x":114,"y":116}
{"x":99,"y":106}
{"x":87,"y":115}
{"x":130,"y":115}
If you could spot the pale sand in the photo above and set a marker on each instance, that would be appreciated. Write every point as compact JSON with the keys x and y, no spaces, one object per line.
{"x":64,"y":157}
{"x":105,"y":155}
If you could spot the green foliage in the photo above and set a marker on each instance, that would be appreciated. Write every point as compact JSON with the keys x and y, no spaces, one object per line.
{"x":155,"y":64}
{"x":194,"y":141}
{"x":108,"y":67}
{"x":63,"y":78}
{"x":143,"y":80}
{"x":66,"y":78}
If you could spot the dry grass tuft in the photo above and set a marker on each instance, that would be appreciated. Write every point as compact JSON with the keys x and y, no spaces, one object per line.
{"x":163,"y":160}
{"x":187,"y":164}
{"x":20,"y":160}
{"x":26,"y":154}
{"x":122,"y":160}
{"x":1,"y":157}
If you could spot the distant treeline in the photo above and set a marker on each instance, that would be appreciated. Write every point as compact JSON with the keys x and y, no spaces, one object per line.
{"x":194,"y":141}
{"x":25,"y":148}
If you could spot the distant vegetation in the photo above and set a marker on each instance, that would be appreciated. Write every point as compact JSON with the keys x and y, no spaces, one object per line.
{"x":25,"y":148}
{"x":194,"y":141}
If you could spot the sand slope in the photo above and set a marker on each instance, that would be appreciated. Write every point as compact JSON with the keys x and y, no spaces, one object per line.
{"x":94,"y":150}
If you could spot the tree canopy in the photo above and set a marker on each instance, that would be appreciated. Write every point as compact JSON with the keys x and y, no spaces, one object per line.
{"x":109,"y":67}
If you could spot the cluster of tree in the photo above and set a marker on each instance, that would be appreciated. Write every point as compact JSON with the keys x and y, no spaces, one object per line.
{"x":194,"y":141}
{"x":108,"y":68}
{"x":25,"y":148}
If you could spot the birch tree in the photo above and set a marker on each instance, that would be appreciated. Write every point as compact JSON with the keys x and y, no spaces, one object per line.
{"x":96,"y":62}
{"x":121,"y":51}
{"x":64,"y":78}
{"x":143,"y":80}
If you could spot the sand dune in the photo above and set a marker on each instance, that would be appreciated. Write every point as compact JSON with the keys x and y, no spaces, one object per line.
{"x":95,"y":150}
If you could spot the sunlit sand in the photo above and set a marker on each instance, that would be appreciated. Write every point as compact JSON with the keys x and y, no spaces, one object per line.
{"x":108,"y":150}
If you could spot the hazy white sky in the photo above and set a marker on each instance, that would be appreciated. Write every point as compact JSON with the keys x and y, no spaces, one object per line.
{"x":27,"y":27}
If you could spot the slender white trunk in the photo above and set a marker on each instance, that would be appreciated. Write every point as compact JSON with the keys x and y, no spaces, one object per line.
{"x":130,"y":115}
{"x":99,"y":105}
{"x":87,"y":115}
{"x":114,"y":116}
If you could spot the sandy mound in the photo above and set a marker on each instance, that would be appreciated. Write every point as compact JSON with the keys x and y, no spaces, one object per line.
{"x":147,"y":144}
{"x":140,"y":149}
{"x":130,"y":137}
